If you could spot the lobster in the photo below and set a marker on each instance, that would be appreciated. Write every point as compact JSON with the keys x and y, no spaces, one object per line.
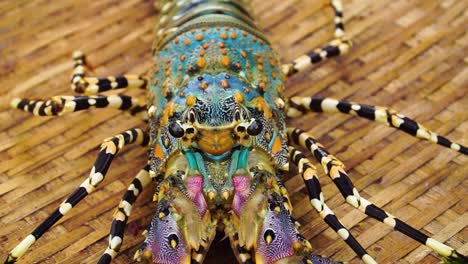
{"x":219,"y":145}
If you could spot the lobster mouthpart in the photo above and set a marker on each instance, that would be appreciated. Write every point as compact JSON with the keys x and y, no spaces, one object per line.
{"x":179,"y":232}
{"x":165,"y":243}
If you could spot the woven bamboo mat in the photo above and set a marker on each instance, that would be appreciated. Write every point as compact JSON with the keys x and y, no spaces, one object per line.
{"x":410,"y":55}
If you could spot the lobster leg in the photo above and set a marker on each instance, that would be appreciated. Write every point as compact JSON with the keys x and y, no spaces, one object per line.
{"x":309,"y":175}
{"x":109,"y":149}
{"x":338,"y":46}
{"x":93,"y":85}
{"x":335,"y":170}
{"x":121,"y":215}
{"x":382,"y":115}
{"x":59,"y":105}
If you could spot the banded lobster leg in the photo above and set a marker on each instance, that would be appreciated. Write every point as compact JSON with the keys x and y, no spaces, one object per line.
{"x":60,"y":105}
{"x":338,"y":46}
{"x":335,"y":170}
{"x":382,"y":115}
{"x":94,"y":85}
{"x":317,"y":199}
{"x":109,"y":149}
{"x":121,"y":215}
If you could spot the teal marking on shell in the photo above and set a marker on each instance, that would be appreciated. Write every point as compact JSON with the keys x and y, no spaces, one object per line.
{"x":233,"y":167}
{"x":251,"y":63}
{"x":243,"y":157}
{"x":191,"y":160}
{"x":217,"y":157}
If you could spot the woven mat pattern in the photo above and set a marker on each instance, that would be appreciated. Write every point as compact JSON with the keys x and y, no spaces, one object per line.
{"x":410,"y":55}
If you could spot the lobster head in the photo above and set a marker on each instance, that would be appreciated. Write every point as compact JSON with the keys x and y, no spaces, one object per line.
{"x":224,"y":111}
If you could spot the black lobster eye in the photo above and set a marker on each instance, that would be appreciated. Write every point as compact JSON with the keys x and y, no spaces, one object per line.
{"x":255,"y":128}
{"x":176,"y":130}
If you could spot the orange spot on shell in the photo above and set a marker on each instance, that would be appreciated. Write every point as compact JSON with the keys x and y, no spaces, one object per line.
{"x":223,"y":36}
{"x":155,"y":81}
{"x":280,"y":88}
{"x":199,"y":37}
{"x":168,"y":112}
{"x":202,"y":52}
{"x":203,"y":85}
{"x":182,"y":57}
{"x":225,"y":61}
{"x":273,"y":75}
{"x":243,"y":54}
{"x":277,"y":146}
{"x":244,"y":33}
{"x":179,"y":67}
{"x":190,"y":100}
{"x":233,"y":35}
{"x":224,"y":84}
{"x":205,"y":45}
{"x":187,"y":42}
{"x":203,"y":29}
{"x":239,"y":97}
{"x":221,"y":44}
{"x":158,"y":151}
{"x":261,"y":105}
{"x":260,"y":67}
{"x":201,"y":62}
{"x":254,"y":38}
{"x":168,"y":73}
{"x":223,"y":51}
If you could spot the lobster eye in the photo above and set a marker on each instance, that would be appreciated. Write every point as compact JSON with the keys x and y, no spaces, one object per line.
{"x":191,"y":116}
{"x":254,"y":128}
{"x":176,"y":130}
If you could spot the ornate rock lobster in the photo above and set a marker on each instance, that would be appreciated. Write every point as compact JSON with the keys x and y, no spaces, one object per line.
{"x":219,"y":144}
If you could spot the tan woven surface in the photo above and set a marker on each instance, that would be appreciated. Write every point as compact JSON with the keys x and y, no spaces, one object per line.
{"x":410,"y":55}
